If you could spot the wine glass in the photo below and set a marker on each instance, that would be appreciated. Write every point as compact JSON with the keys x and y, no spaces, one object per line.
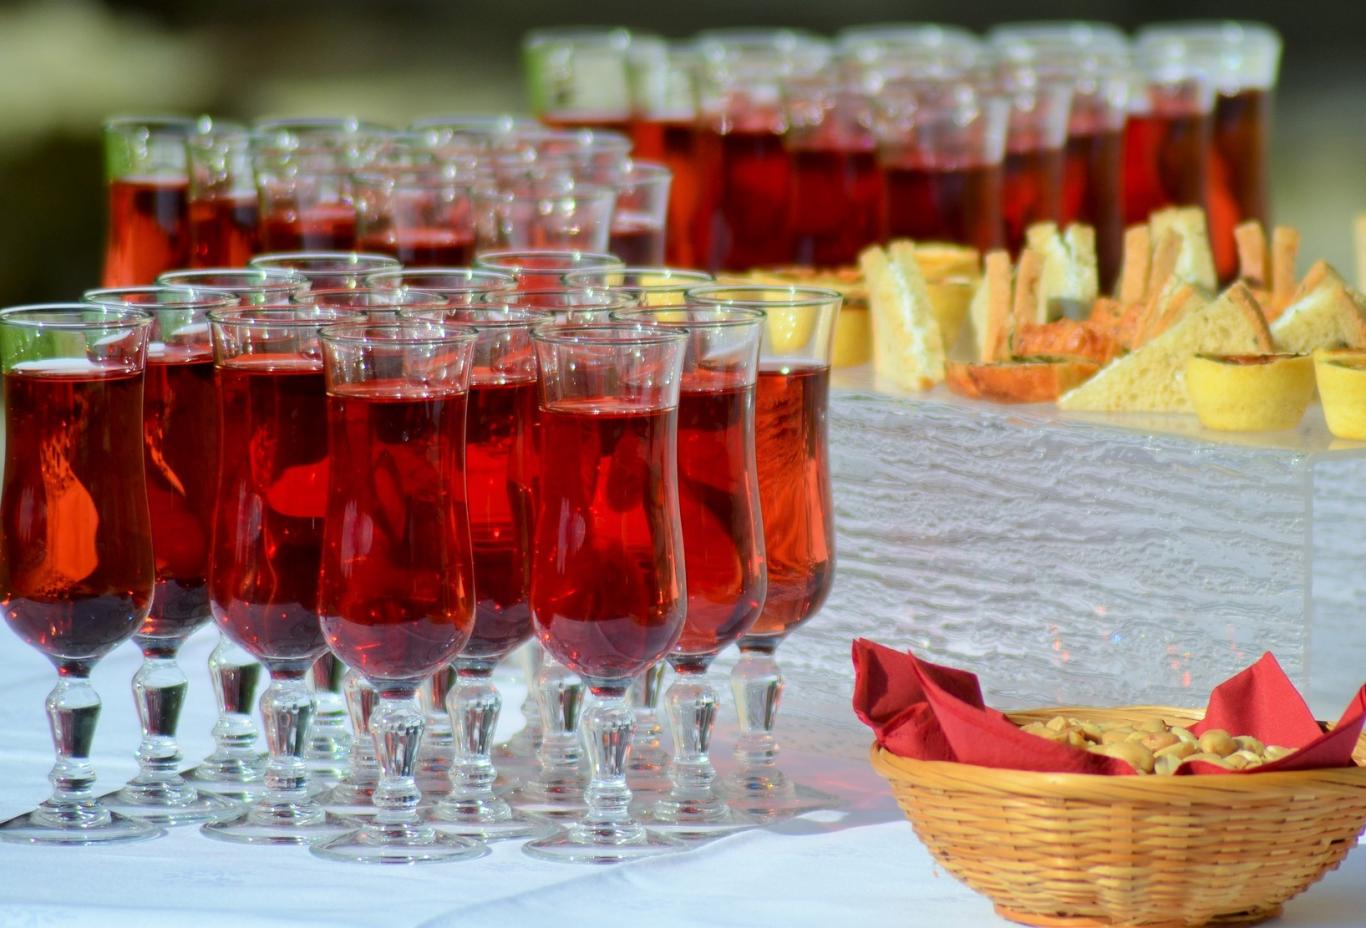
{"x":76,"y":567}
{"x":791,"y":447}
{"x":607,"y":587}
{"x":543,"y":267}
{"x":253,"y":286}
{"x":461,"y":286}
{"x":267,"y":541}
{"x":327,"y":269}
{"x":396,"y":589}
{"x":377,"y":305}
{"x":502,"y":462}
{"x":180,"y":443}
{"x":723,"y":544}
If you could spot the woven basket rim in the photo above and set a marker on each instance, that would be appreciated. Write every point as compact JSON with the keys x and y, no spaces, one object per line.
{"x":958,"y":775}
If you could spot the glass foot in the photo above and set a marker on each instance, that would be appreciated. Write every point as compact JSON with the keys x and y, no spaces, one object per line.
{"x":766,"y":798}
{"x":602,"y":844}
{"x":695,"y":821}
{"x":360,"y":811}
{"x":274,"y":825}
{"x":244,"y":784}
{"x":172,"y":807}
{"x":99,"y":827}
{"x":489,"y":821}
{"x":399,"y":844}
{"x":552,"y":804}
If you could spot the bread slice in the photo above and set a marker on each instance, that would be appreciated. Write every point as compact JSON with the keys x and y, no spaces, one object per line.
{"x":1254,"y":260}
{"x":1068,"y":282}
{"x":1151,"y":379}
{"x":988,"y":313}
{"x":1322,"y":314}
{"x":1039,"y":381}
{"x":1195,"y":263}
{"x":1168,"y":308}
{"x":908,"y":350}
{"x":1133,"y":276}
{"x":1067,"y":339}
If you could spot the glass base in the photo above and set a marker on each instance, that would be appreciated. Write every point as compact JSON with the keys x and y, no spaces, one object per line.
{"x":602,"y":844}
{"x":33,"y":828}
{"x":653,"y":782}
{"x":360,"y":811}
{"x":688,"y":821}
{"x":399,"y":844}
{"x":275,"y":825}
{"x":550,"y":804}
{"x":766,"y":798}
{"x":495,"y":821}
{"x":327,"y":771}
{"x":242,"y":782}
{"x":171,"y":807}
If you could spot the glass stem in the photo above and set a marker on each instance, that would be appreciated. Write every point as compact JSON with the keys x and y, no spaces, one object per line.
{"x":608,"y":724}
{"x":690,"y":704}
{"x":397,"y":724}
{"x":559,"y":694}
{"x":474,"y":706}
{"x":527,"y":741}
{"x":287,"y":711}
{"x":159,"y":692}
{"x":439,"y":740}
{"x":329,"y":741}
{"x":757,"y":686}
{"x":235,"y":676}
{"x":73,"y":708}
{"x":360,"y":705}
{"x":648,"y":756}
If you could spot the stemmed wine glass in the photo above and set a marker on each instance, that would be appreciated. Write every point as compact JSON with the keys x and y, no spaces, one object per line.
{"x":607,"y":588}
{"x":396,"y":591}
{"x":76,"y":567}
{"x":502,"y":464}
{"x":180,"y":445}
{"x":267,"y":540}
{"x":723,"y":544}
{"x":790,"y":442}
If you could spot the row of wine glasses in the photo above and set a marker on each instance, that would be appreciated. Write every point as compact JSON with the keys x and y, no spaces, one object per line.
{"x":409,"y":485}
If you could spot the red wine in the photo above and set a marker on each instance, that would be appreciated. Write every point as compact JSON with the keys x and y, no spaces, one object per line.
{"x":1237,"y":171}
{"x":959,"y":204}
{"x":1166,"y":161}
{"x":1093,"y":193}
{"x":790,"y":442}
{"x":270,"y":505}
{"x":180,"y":445}
{"x":723,"y":553}
{"x":746,"y":190}
{"x":224,"y":231}
{"x":500,"y":471}
{"x":148,"y":229}
{"x":674,"y":143}
{"x":612,"y":122}
{"x":637,"y":240}
{"x":321,"y":227}
{"x":836,"y":207}
{"x":1031,"y":191}
{"x":396,"y":594}
{"x":76,"y":568}
{"x":423,"y":247}
{"x":605,"y":587}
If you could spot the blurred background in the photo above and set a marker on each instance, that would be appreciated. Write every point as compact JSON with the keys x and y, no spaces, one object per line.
{"x":66,"y":64}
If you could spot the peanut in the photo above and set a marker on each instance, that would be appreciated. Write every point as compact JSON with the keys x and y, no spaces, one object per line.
{"x":1132,"y":753}
{"x":1249,"y":743}
{"x":1180,"y":750}
{"x":1156,"y":741}
{"x":1217,"y":741}
{"x":1154,"y":746}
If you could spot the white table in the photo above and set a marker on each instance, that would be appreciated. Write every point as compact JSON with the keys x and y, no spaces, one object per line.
{"x":820,"y":871}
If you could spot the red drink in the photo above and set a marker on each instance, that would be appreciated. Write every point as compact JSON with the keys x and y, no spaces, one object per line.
{"x":75,"y":586}
{"x":746,"y":189}
{"x":1238,"y":171}
{"x":148,"y":231}
{"x":322,"y":227}
{"x":395,"y":601}
{"x":836,"y":205}
{"x":959,"y":204}
{"x":603,"y":591}
{"x":723,"y":558}
{"x":636,"y":240}
{"x":224,"y":231}
{"x":500,"y":465}
{"x":1093,"y":179}
{"x":674,"y":143}
{"x":272,"y":498}
{"x":180,"y":430}
{"x":423,"y":247}
{"x":609,"y":121}
{"x":1031,"y":191}
{"x":1165,"y":161}
{"x":794,"y":494}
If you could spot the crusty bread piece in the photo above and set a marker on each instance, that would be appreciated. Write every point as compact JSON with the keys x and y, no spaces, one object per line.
{"x":1322,"y":314}
{"x":908,"y":350}
{"x":1195,"y":264}
{"x":1169,"y":307}
{"x":1018,"y":381}
{"x":1285,"y":248}
{"x":1254,"y":267}
{"x":1066,"y":339}
{"x":1133,"y":277}
{"x":1025,"y":302}
{"x":1151,"y":379}
{"x":990,"y":309}
{"x":1068,"y":281}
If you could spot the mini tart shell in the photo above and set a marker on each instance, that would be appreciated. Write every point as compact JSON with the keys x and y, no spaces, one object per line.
{"x":1341,"y":380}
{"x":1264,"y":393}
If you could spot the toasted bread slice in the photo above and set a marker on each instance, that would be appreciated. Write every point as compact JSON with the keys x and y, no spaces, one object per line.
{"x":1035,"y":381}
{"x":908,"y":350}
{"x":990,"y":308}
{"x":1066,"y":339}
{"x":1195,"y":263}
{"x":1133,"y":277}
{"x":1171,"y":306}
{"x":1322,"y":314}
{"x":1254,"y":261}
{"x":1151,"y":379}
{"x":1068,"y":281}
{"x":1285,"y":249}
{"x":1025,"y":302}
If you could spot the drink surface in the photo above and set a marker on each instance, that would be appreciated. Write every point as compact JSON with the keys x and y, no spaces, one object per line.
{"x":423,"y":247}
{"x":746,"y":186}
{"x":836,"y":207}
{"x":500,"y":468}
{"x":719,"y":504}
{"x":395,"y":596}
{"x":223,"y":231}
{"x":790,"y":443}
{"x":180,"y":450}
{"x":320,"y":227}
{"x":613,"y":122}
{"x":1092,"y":193}
{"x":607,"y":589}
{"x":148,"y":230}
{"x":1031,"y":191}
{"x":76,"y":568}
{"x":944,"y":204}
{"x":637,"y":240}
{"x":270,"y":505}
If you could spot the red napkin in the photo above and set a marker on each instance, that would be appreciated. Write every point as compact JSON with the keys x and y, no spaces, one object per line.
{"x":929,"y":712}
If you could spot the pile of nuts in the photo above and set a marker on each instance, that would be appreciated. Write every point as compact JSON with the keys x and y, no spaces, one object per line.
{"x":1153,"y":746}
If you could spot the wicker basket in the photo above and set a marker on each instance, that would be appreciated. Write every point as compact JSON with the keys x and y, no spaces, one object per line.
{"x":1086,"y":850}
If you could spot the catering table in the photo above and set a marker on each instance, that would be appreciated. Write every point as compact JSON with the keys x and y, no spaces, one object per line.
{"x":819,"y":870}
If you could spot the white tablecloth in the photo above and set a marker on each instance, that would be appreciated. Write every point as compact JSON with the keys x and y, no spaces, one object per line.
{"x":822,"y":870}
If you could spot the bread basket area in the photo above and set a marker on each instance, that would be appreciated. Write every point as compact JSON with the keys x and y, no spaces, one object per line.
{"x":1084,"y":850}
